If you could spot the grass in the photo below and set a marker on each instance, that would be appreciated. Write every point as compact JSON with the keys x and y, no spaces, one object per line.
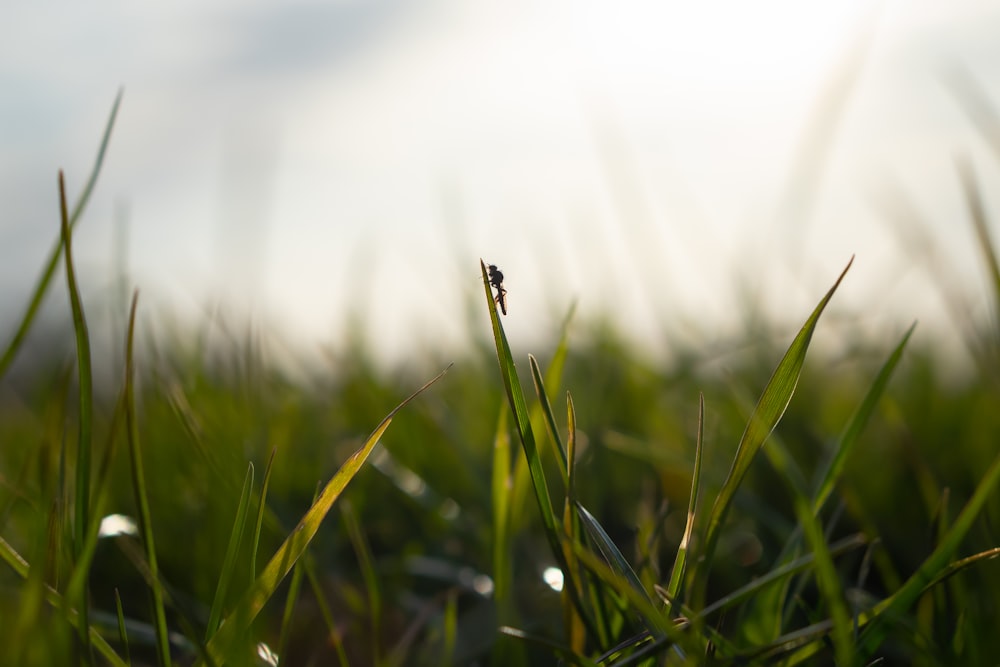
{"x":803,"y":510}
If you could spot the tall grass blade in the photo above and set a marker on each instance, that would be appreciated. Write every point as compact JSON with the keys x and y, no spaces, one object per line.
{"x":680,"y":560}
{"x":122,"y":634}
{"x":297,"y":542}
{"x":550,"y":421}
{"x":977,"y":213}
{"x":261,"y":511}
{"x":81,"y":496}
{"x":45,"y":280}
{"x":515,"y":398}
{"x":141,"y":496}
{"x":766,"y":415}
{"x":232,"y":551}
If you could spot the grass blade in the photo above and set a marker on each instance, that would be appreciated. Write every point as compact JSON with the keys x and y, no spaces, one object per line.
{"x":519,"y":408}
{"x":141,"y":497}
{"x":550,"y":421}
{"x":677,"y":573}
{"x":261,"y":511}
{"x":766,"y":415}
{"x":232,"y":551}
{"x":364,"y":555}
{"x":81,"y":496}
{"x":45,"y":280}
{"x":298,"y":541}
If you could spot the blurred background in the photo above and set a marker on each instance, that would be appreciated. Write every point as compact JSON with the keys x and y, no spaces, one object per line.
{"x":295,"y":163}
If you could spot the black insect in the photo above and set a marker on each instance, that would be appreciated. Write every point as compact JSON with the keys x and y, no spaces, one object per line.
{"x":496,"y":279}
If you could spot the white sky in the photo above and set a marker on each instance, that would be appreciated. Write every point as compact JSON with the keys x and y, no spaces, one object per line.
{"x":303,"y":158}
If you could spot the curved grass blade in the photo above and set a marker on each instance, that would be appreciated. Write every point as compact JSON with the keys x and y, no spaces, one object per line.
{"x":141,"y":497}
{"x":766,"y":415}
{"x":85,"y":378}
{"x":297,"y":542}
{"x":680,"y":560}
{"x":261,"y":511}
{"x":232,"y":550}
{"x":363,"y":552}
{"x":45,"y":280}
{"x":550,"y":420}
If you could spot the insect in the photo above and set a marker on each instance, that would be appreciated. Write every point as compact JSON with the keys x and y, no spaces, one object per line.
{"x":496,"y":279}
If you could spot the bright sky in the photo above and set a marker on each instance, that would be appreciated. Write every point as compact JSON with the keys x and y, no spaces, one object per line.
{"x":300,"y":159}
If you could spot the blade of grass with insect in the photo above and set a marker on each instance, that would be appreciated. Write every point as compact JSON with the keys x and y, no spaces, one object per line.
{"x":232,"y":552}
{"x":363,"y":552}
{"x":680,"y":560}
{"x":45,"y":280}
{"x":141,"y":496}
{"x":766,"y":415}
{"x":933,"y":566}
{"x":81,"y":496}
{"x":515,"y":398}
{"x":295,"y":545}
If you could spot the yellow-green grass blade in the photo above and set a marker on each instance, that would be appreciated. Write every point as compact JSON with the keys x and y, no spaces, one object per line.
{"x":933,"y":567}
{"x":295,"y":545}
{"x":849,"y":436}
{"x":232,"y":551}
{"x":576,"y":631}
{"x":261,"y":511}
{"x":23,"y":569}
{"x":81,"y":495}
{"x":766,"y":415}
{"x":139,"y":489}
{"x":364,"y":555}
{"x":680,"y":560}
{"x":45,"y":280}
{"x":550,"y":420}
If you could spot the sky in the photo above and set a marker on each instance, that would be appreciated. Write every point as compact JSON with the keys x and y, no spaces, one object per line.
{"x":304,"y":162}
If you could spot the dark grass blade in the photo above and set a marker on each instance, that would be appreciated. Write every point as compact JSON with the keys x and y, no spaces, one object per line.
{"x":122,"y":634}
{"x":141,"y":496}
{"x":45,"y":280}
{"x":295,"y":545}
{"x":81,"y":495}
{"x":232,"y":552}
{"x":656,"y":622}
{"x":766,"y":415}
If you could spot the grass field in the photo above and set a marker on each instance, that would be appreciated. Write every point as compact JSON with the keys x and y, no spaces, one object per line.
{"x":583,"y":505}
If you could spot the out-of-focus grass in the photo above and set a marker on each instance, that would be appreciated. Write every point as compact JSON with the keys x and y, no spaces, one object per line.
{"x":866,"y":531}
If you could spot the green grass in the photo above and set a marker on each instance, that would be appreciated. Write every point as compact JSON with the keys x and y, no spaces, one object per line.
{"x":800,"y":509}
